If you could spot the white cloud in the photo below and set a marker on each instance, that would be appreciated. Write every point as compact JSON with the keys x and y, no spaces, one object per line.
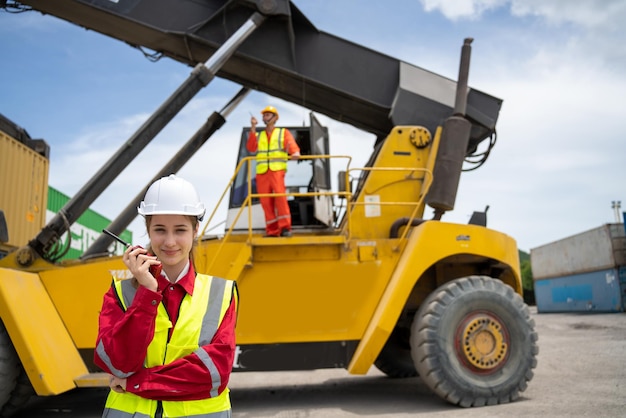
{"x":607,"y":14}
{"x":461,"y":9}
{"x":604,"y":14}
{"x":594,"y":27}
{"x":558,"y":66}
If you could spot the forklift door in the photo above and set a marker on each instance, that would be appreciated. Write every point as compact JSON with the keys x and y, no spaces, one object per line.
{"x":323,"y":205}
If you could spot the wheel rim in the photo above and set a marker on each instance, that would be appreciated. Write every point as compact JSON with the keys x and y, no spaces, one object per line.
{"x":482,"y":342}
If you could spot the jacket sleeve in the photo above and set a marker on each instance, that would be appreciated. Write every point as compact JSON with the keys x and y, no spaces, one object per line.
{"x":123,"y":337}
{"x":252,"y":143}
{"x":291,"y":146}
{"x":188,"y":378}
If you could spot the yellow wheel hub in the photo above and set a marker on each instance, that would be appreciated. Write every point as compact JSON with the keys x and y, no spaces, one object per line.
{"x":484,"y":342}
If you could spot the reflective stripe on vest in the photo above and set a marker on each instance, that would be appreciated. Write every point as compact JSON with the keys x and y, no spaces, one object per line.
{"x":271,"y":154}
{"x":198,"y":321}
{"x":126,"y":295}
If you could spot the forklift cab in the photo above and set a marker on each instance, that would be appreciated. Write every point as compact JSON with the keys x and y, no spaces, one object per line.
{"x":303,"y":176}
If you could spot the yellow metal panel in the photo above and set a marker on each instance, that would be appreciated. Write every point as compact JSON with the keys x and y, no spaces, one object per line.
{"x":367,"y":250}
{"x":393,"y":187}
{"x":77,"y":292}
{"x":38,"y":334}
{"x":319,"y":253}
{"x":24,"y":189}
{"x":226,"y":259}
{"x":433,"y":241}
{"x":304,"y":294}
{"x":93,"y":380}
{"x":238,"y":263}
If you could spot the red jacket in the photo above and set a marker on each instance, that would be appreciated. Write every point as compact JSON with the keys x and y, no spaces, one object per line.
{"x":126,"y":336}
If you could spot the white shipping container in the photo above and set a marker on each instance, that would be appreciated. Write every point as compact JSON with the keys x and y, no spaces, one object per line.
{"x":597,"y":249}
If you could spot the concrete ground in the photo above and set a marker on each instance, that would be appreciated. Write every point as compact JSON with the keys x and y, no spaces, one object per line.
{"x":581,"y":372}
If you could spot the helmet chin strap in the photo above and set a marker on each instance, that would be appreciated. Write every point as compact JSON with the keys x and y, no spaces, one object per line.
{"x":271,"y":120}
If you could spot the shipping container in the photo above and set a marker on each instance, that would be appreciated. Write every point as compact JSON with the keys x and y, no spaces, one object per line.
{"x":597,"y":249}
{"x":27,"y":203}
{"x":598,"y":291}
{"x":23,"y":184}
{"x":583,"y":272}
{"x":84,"y":231}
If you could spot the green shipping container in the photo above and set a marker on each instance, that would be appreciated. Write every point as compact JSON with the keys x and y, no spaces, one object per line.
{"x":85,"y":230}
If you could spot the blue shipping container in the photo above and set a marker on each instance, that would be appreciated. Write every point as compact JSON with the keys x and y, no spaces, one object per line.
{"x":598,"y":291}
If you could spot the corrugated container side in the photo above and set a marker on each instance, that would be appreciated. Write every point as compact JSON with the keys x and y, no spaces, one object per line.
{"x":23,"y":190}
{"x":598,"y":291}
{"x":597,"y":249}
{"x":85,"y":230}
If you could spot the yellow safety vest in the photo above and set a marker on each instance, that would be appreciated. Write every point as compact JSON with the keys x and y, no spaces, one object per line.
{"x":271,"y":154}
{"x":198,"y":321}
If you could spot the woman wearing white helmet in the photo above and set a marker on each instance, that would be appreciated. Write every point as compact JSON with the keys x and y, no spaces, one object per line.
{"x":167,"y":336}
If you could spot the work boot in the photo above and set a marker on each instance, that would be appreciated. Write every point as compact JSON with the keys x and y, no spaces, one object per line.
{"x":285,"y":233}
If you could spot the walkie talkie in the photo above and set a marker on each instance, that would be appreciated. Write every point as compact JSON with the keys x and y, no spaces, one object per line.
{"x":155,"y":270}
{"x":118,"y":239}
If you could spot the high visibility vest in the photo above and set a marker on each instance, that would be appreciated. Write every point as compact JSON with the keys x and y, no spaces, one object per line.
{"x":271,"y":154}
{"x":199,"y":318}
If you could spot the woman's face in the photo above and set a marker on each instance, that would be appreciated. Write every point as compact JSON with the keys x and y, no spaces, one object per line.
{"x":171,"y":240}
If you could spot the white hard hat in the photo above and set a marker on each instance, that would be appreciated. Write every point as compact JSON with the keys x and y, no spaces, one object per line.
{"x":171,"y":195}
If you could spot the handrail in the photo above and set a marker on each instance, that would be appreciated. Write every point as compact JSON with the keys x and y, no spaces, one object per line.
{"x":247,"y":203}
{"x":219,"y":202}
{"x":248,"y":200}
{"x":428,"y":179}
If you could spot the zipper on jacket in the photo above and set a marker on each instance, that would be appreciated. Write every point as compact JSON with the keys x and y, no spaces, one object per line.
{"x":159,"y":410}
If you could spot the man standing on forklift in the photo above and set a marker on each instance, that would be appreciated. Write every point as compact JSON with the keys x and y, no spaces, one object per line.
{"x":273,"y":148}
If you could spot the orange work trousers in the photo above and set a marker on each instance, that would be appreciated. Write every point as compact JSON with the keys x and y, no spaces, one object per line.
{"x":276,"y":209}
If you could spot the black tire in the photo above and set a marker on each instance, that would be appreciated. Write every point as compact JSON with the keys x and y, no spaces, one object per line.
{"x":15,"y":388}
{"x":9,"y":367}
{"x":395,"y":358}
{"x":20,"y":396}
{"x":473,"y":342}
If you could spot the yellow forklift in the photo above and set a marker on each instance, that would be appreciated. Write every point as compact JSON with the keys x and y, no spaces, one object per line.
{"x":366,"y":279}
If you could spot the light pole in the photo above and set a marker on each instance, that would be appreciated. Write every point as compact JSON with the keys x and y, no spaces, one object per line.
{"x":616,"y":205}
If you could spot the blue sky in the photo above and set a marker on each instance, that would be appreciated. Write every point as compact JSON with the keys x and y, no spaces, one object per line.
{"x":560,"y":158}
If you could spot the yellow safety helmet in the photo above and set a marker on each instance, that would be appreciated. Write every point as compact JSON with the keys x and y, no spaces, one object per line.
{"x":270,"y":109}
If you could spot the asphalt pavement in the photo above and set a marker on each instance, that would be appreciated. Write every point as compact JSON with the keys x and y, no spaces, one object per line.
{"x":581,"y":372}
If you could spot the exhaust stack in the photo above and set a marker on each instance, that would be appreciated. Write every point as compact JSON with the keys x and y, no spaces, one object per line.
{"x":453,"y":146}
